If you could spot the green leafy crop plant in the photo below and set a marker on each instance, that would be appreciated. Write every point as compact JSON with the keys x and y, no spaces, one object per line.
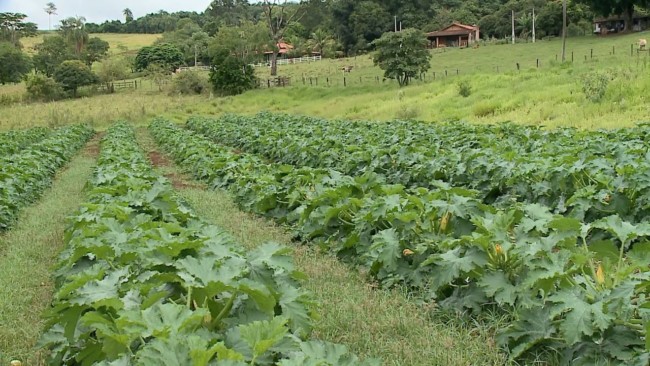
{"x":588,"y":175}
{"x":32,"y":158}
{"x":144,"y":281}
{"x":574,"y":287}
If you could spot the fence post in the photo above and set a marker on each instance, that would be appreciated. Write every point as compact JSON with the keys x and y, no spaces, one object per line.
{"x":631,"y":50}
{"x":328,"y":81}
{"x":592,"y":53}
{"x":613,"y":50}
{"x":445,"y":72}
{"x":360,"y":82}
{"x":571,"y":56}
{"x":434,"y":75}
{"x":517,"y":66}
{"x":457,"y":72}
{"x":316,"y":81}
{"x":538,"y":63}
{"x":268,"y":83}
{"x":311,"y":83}
{"x":344,"y":82}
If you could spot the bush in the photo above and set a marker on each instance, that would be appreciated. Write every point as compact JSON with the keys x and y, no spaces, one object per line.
{"x":594,"y":85}
{"x":485,"y":109}
{"x":41,"y":87}
{"x":72,"y":74}
{"x":230,"y":75}
{"x":464,"y":88}
{"x":189,"y":82}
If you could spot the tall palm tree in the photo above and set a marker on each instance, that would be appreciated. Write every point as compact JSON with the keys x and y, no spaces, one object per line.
{"x":74,"y":31}
{"x":128,"y":14}
{"x":319,"y":40}
{"x":50,"y":9}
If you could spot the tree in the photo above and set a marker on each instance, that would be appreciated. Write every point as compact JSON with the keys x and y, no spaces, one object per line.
{"x":245,"y":41}
{"x":95,"y":50}
{"x":74,"y":31}
{"x":14,"y":63}
{"x":199,"y":44}
{"x":165,"y":55}
{"x":402,"y":55}
{"x":128,"y":15}
{"x":623,"y":7}
{"x":112,"y":69}
{"x":13,"y":27}
{"x":51,"y":53}
{"x":278,"y":16}
{"x":72,"y":74}
{"x":230,"y":75}
{"x":319,"y":40}
{"x":50,"y":9}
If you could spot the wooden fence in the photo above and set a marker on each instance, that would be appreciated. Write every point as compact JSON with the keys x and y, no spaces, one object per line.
{"x":290,"y":61}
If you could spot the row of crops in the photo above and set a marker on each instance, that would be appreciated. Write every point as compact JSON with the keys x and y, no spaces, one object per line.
{"x":144,"y":281}
{"x":588,"y":175}
{"x":13,"y":141}
{"x":573,"y":286}
{"x":28,"y":161}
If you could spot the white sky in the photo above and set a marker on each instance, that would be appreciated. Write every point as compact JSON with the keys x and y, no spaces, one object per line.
{"x":96,"y":11}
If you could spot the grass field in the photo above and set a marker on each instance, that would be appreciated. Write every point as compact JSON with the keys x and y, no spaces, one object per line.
{"x":118,"y":42}
{"x":551,"y":95}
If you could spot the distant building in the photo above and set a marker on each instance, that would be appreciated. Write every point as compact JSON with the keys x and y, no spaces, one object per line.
{"x":616,"y":23}
{"x":283,"y":49}
{"x":455,"y":35}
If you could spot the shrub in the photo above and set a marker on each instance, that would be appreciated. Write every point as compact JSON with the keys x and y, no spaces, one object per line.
{"x":41,"y":87}
{"x":189,"y":82}
{"x":464,"y":88}
{"x":230,"y":75}
{"x":485,"y":109}
{"x":72,"y":74}
{"x":594,"y":85}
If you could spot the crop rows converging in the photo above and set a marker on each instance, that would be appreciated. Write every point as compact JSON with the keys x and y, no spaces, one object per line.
{"x":572,"y":286}
{"x":13,"y":141}
{"x":584,"y":174}
{"x":144,"y":281}
{"x":28,"y":171}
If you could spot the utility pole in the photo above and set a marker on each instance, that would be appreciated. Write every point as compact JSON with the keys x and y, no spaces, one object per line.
{"x":395,"y":23}
{"x":513,"y":27}
{"x":400,"y":25}
{"x":563,"y":31}
{"x":196,"y":55}
{"x":533,"y":24}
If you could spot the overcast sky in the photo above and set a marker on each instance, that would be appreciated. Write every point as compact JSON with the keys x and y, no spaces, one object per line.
{"x":96,"y":11}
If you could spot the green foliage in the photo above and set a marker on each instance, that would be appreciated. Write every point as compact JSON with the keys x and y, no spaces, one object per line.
{"x":163,"y":55}
{"x":190,"y":82}
{"x":15,"y":64}
{"x":13,"y":27}
{"x":112,"y":69}
{"x":144,"y":281}
{"x":565,"y":256}
{"x":32,"y":159}
{"x":51,"y":53}
{"x":95,"y":50}
{"x":72,"y":74}
{"x":402,"y":55}
{"x":230,"y":75}
{"x":594,"y":85}
{"x":43,"y":88}
{"x":73,"y":30}
{"x":464,"y":88}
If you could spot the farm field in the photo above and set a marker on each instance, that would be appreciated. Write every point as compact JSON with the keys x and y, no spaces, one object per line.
{"x":508,"y":227}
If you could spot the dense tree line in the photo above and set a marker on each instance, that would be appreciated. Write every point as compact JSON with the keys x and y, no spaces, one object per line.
{"x":355,"y":24}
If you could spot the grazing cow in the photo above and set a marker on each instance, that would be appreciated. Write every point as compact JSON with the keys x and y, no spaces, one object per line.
{"x":642,"y":44}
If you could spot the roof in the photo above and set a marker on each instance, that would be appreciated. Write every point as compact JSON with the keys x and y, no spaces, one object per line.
{"x":450,"y":33}
{"x":446,"y":31}
{"x":283,"y":48}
